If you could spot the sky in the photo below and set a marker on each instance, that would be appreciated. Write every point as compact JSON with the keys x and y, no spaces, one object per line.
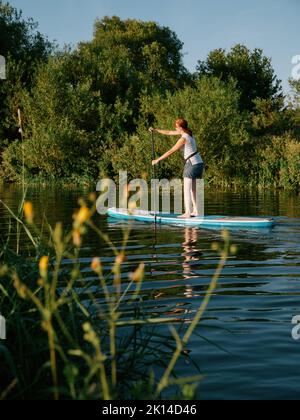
{"x":203,"y":25}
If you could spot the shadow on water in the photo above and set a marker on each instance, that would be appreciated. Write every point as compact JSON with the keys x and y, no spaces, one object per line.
{"x":244,"y":344}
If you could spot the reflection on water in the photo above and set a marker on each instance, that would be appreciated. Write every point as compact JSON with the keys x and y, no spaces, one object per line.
{"x":244,"y":345}
{"x":191,"y":253}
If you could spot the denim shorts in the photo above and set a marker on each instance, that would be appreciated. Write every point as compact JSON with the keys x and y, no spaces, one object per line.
{"x":193,"y":171}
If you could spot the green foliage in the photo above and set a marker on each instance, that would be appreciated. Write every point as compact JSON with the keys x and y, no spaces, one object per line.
{"x":252,"y":71}
{"x":278,"y":163}
{"x":66,"y":124}
{"x":135,"y":56}
{"x":294,"y":107}
{"x":295,"y":97}
{"x":20,"y":38}
{"x":266,"y":120}
{"x":211,"y":107}
{"x":83,"y":102}
{"x":86,"y":111}
{"x":59,"y":152}
{"x":24,"y":48}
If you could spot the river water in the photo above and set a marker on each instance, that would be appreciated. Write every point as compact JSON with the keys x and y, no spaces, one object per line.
{"x":244,"y":346}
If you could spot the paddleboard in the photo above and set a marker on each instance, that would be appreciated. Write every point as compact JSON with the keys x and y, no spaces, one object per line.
{"x":207,"y":221}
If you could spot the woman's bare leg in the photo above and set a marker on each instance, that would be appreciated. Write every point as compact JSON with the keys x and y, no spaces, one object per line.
{"x":194,"y":198}
{"x":187,"y":197}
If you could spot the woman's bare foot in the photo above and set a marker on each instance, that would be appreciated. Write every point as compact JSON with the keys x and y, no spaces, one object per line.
{"x":185,"y":216}
{"x":194,"y":214}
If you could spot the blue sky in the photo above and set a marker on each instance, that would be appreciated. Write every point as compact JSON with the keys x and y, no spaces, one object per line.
{"x":202,"y":25}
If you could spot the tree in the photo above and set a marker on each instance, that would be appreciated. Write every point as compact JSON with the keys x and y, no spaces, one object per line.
{"x":23,"y":47}
{"x":295,"y":94}
{"x":252,"y":71}
{"x":84,"y":101}
{"x":294,"y":106}
{"x":132,"y":58}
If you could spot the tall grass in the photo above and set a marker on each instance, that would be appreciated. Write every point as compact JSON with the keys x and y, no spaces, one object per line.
{"x":65,"y":342}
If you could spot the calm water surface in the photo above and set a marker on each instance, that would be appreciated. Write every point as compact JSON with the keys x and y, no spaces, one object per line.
{"x":244,"y":346}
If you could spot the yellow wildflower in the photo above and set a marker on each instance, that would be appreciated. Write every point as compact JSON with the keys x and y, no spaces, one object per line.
{"x":77,"y":237}
{"x":28,"y":212}
{"x":83,"y":215}
{"x":44,"y":263}
{"x":120,"y":258}
{"x":96,"y":265}
{"x":138,"y":275}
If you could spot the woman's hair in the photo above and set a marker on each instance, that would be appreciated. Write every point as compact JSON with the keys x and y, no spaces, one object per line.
{"x":183,"y":124}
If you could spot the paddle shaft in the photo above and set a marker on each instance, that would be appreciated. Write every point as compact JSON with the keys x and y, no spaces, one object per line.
{"x":154,"y":174}
{"x":23,"y":156}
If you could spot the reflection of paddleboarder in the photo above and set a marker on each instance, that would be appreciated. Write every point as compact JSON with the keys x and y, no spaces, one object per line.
{"x":194,"y":166}
{"x":192,"y":256}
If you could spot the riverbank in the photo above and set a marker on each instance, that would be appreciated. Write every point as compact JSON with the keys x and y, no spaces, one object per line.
{"x":90,"y":184}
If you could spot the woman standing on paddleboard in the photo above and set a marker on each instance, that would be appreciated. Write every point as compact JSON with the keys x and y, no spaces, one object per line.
{"x":194,"y":165}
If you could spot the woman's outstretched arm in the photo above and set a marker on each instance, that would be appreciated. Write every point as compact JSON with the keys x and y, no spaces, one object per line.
{"x":181,"y":142}
{"x":166,"y":132}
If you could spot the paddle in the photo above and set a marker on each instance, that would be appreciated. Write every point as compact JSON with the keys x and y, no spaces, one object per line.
{"x":154,"y":202}
{"x":154,"y":173}
{"x":22,"y":138}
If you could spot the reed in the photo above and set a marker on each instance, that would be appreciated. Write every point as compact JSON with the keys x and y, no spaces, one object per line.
{"x":65,"y":344}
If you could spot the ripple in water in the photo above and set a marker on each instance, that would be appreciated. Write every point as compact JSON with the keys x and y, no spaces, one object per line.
{"x":244,"y":345}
